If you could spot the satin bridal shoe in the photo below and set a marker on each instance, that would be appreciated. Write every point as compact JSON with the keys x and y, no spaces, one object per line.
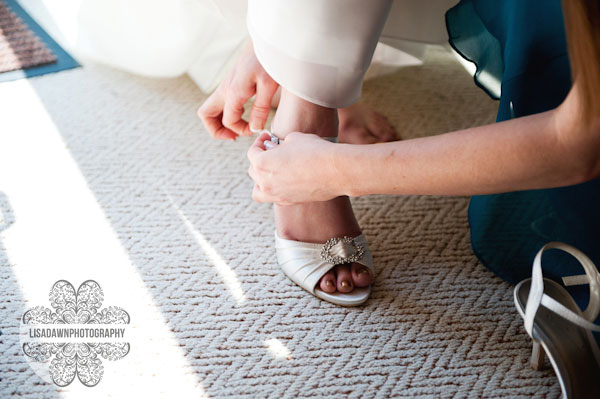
{"x":305,"y":263}
{"x":558,"y":327}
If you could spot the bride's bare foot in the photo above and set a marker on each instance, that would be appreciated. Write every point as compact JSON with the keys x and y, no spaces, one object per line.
{"x":317,"y":221}
{"x":360,"y":124}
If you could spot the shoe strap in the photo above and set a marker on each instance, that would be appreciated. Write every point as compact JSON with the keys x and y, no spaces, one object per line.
{"x":333,"y":139}
{"x":579,"y":279}
{"x":566,"y":313}
{"x":537,"y":297}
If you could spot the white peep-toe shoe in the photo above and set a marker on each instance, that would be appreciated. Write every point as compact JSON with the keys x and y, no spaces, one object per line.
{"x":305,"y":263}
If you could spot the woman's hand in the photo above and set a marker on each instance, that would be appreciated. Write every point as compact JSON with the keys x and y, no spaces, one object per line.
{"x":222,"y":111}
{"x":300,"y":169}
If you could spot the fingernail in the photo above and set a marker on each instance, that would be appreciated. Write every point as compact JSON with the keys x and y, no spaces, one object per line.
{"x":254,"y":127}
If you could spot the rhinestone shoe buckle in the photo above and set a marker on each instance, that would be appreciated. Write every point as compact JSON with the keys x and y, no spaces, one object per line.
{"x":337,"y":259}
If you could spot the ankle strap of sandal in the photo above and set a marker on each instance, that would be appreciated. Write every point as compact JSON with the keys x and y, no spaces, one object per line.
{"x":537,"y":297}
{"x":276,"y":139}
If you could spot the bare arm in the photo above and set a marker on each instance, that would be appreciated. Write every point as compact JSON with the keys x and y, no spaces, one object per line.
{"x":544,"y":150}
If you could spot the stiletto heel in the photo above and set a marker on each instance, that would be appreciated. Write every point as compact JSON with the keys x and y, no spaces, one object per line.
{"x":537,"y":356}
{"x":559,"y":329}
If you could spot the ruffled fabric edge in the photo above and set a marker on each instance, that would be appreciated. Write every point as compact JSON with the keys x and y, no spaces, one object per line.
{"x":469,"y":37}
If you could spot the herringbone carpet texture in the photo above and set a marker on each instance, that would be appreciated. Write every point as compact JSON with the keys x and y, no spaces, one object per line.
{"x":438,"y":324}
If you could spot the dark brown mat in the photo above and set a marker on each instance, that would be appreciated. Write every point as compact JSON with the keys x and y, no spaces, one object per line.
{"x":20,"y":48}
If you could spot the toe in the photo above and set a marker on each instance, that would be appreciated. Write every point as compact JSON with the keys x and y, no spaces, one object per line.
{"x":363,"y":135}
{"x":344,"y":278}
{"x":391,"y":133}
{"x":383,"y":130}
{"x":361,"y":275}
{"x":391,"y":137}
{"x":328,"y":282}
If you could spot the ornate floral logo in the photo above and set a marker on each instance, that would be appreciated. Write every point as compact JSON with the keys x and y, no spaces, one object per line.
{"x":76,"y":316}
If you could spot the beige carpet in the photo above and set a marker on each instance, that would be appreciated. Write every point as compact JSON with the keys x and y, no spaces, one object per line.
{"x":134,"y":194}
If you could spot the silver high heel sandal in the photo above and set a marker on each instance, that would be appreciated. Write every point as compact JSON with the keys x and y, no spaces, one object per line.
{"x":558,"y":327}
{"x":305,"y":263}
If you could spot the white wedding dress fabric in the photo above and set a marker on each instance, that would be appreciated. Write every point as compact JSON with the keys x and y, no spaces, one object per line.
{"x":164,"y":38}
{"x":154,"y":38}
{"x":319,"y":49}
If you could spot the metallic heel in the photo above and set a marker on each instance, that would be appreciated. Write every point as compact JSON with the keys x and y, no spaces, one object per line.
{"x":537,"y":356}
{"x":560,"y":330}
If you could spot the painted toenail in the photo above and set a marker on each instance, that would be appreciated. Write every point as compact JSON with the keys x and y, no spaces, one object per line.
{"x":345,"y":284}
{"x":362,"y":271}
{"x":329,"y":283}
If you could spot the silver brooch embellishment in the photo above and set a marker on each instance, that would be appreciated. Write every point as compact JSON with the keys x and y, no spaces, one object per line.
{"x":336,"y":259}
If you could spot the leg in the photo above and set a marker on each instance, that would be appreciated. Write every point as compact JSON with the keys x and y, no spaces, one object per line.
{"x":358,"y":124}
{"x":317,"y":221}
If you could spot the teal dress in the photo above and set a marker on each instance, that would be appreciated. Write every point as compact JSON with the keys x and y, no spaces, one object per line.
{"x":520,"y":50}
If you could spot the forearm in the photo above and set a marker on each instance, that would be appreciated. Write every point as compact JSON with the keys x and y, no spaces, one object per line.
{"x":524,"y":153}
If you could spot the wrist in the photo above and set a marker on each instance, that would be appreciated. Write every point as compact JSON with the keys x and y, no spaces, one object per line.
{"x":345,"y":170}
{"x":364,"y":169}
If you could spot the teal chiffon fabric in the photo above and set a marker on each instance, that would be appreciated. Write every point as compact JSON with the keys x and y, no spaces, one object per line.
{"x":520,"y":50}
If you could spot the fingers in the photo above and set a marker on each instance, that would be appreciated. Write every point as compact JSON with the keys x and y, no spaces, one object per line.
{"x":258,"y":195}
{"x":222,"y":111}
{"x":261,"y":194}
{"x":257,"y":148}
{"x":211,"y":113}
{"x":259,"y":172}
{"x":265,"y":90}
{"x":238,"y":94}
{"x":254,"y":152}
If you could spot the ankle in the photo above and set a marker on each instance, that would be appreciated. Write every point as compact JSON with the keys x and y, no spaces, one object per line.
{"x":295,"y":114}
